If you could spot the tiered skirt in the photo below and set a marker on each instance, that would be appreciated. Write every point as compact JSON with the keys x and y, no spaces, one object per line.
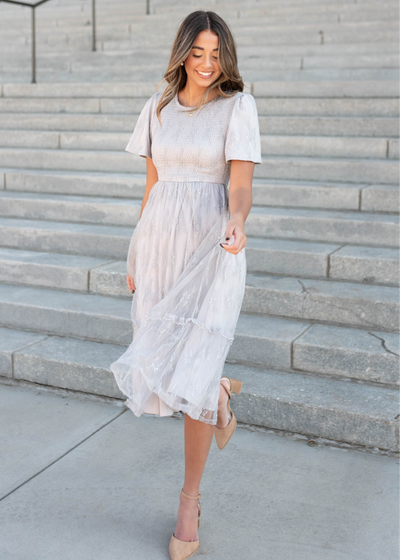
{"x":189,"y":293}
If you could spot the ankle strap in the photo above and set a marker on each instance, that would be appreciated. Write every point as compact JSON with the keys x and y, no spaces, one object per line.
{"x":191,"y":497}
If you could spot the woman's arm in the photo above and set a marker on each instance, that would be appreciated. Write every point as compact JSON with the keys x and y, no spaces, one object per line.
{"x":151,"y":180}
{"x":240,"y":202}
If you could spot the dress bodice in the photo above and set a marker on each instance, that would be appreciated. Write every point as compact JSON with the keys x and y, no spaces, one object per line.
{"x":198,"y":147}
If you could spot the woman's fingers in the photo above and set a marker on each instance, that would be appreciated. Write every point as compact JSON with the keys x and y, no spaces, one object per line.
{"x":130,"y":282}
{"x":237,"y":246}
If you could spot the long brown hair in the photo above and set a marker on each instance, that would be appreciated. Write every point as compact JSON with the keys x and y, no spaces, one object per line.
{"x":228,"y":83}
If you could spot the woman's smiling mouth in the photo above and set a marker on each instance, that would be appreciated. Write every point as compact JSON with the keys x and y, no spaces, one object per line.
{"x":204,"y":75}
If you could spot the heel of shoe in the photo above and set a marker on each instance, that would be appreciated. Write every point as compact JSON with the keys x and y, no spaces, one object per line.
{"x":223,"y":435}
{"x":236,"y":385}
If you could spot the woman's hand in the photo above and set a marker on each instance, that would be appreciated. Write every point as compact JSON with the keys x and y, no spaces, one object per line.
{"x":235,"y":227}
{"x":130,"y":282}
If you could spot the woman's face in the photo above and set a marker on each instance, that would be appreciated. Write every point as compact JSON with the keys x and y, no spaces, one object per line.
{"x":202,"y":66}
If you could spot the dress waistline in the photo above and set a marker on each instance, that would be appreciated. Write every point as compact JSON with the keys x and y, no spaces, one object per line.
{"x":192,"y":181}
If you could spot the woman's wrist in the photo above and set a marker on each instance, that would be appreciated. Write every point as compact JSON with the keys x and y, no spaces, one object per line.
{"x":238,"y":218}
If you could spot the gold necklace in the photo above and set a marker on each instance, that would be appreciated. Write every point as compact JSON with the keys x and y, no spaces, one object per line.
{"x":191,"y":114}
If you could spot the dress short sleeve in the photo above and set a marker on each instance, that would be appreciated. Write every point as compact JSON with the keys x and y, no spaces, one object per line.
{"x":141,"y":139}
{"x":243,"y":136}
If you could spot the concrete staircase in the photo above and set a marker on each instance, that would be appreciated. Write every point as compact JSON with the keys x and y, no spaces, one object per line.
{"x":316,"y":343}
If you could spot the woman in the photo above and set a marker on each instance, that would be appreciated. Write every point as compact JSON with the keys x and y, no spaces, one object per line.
{"x":186,"y":262}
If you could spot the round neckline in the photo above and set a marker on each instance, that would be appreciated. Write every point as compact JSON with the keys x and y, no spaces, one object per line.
{"x":193,"y":106}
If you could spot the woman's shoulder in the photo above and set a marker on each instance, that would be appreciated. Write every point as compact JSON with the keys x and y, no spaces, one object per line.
{"x":243,"y":103}
{"x":154,"y":99}
{"x":243,"y":97}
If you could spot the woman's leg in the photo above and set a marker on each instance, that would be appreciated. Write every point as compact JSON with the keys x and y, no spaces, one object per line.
{"x":198,"y":438}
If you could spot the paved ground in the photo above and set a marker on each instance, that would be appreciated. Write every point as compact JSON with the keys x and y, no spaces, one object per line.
{"x":87,"y":480}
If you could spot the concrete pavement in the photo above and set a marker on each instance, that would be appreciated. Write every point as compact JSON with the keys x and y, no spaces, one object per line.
{"x":83,"y":479}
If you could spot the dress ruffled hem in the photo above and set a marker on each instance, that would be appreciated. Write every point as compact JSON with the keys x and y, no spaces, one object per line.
{"x":185,"y":320}
{"x":193,"y":392}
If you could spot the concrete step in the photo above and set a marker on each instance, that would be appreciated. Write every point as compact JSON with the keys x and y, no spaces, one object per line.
{"x":76,"y":160}
{"x":299,"y":89}
{"x":319,"y":129}
{"x":270,"y":126}
{"x":326,"y":89}
{"x":65,"y":237}
{"x":116,"y":75}
{"x":82,"y":209}
{"x":343,"y":303}
{"x":299,"y":194}
{"x":276,"y":115}
{"x":131,"y":25}
{"x":324,"y":407}
{"x":237,"y":15}
{"x":113,"y":141}
{"x":16,"y":48}
{"x":357,"y":228}
{"x":353,"y":61}
{"x":125,"y":185}
{"x":49,"y":270}
{"x":303,"y":75}
{"x":76,"y":122}
{"x":279,"y":193}
{"x":82,"y":45}
{"x":340,"y":410}
{"x":351,"y":353}
{"x":262,"y":221}
{"x":316,"y":110}
{"x":353,"y":170}
{"x":289,"y":345}
{"x":274,"y":144}
{"x":44,"y":76}
{"x":87,"y":316}
{"x":79,"y":9}
{"x":285,"y":6}
{"x":327,"y":18}
{"x":80,"y":90}
{"x":71,"y":62}
{"x":134,"y":28}
{"x":373,"y":307}
{"x":245,"y":52}
{"x":332,"y":196}
{"x":366,"y":265}
{"x":306,"y":6}
{"x":380,"y":198}
{"x":299,"y":145}
{"x":53,"y":105}
{"x":272,"y":342}
{"x":295,"y":258}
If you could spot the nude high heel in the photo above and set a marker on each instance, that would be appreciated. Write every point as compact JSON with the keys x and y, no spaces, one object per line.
{"x":223,"y":435}
{"x":180,"y":550}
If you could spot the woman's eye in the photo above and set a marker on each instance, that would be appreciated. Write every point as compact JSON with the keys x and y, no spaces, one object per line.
{"x":199,"y":56}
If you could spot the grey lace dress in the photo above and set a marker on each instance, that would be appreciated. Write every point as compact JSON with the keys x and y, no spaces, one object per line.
{"x":189,"y":290}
